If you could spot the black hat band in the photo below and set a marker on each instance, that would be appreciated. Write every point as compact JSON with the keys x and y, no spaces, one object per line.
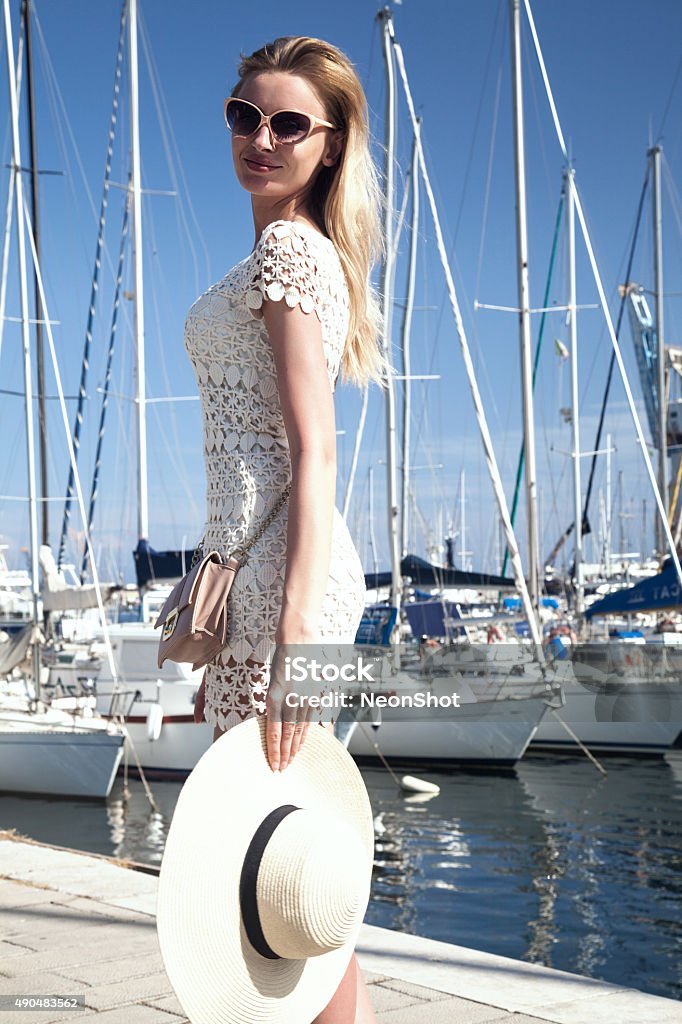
{"x":247,"y":881}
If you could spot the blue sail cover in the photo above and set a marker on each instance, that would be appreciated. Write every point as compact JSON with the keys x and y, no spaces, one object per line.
{"x":424,"y":574}
{"x":653,"y":594}
{"x":151,"y":565}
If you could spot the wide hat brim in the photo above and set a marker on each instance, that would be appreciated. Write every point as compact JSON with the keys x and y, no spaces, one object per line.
{"x":217,"y":975}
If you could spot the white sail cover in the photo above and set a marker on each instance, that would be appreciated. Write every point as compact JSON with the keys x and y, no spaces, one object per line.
{"x":15,"y":650}
{"x":58,"y":595}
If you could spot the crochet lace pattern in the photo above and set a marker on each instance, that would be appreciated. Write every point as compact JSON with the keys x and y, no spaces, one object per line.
{"x":246,"y":452}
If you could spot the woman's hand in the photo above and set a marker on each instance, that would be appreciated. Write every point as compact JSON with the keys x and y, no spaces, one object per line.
{"x":288,"y":720}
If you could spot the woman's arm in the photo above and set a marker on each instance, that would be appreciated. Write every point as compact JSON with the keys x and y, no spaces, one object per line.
{"x":307,"y":405}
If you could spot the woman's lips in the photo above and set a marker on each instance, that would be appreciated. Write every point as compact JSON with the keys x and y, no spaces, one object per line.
{"x":261,"y":168}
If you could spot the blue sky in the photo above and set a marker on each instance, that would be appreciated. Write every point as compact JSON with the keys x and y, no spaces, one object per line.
{"x":614,"y":69}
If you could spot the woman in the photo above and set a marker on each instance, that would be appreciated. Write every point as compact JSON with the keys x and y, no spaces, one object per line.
{"x":267,"y":344}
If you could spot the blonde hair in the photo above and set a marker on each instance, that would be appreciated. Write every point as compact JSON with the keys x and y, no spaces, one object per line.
{"x":344,"y":199}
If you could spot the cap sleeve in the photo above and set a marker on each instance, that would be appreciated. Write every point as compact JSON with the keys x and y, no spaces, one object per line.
{"x":285,"y":268}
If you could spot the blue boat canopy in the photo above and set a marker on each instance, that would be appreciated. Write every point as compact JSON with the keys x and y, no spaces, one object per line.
{"x":151,"y":565}
{"x":653,"y":594}
{"x":424,"y":574}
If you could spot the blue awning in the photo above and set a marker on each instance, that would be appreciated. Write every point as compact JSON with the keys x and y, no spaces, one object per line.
{"x":151,"y":565}
{"x":653,"y":594}
{"x":424,"y":574}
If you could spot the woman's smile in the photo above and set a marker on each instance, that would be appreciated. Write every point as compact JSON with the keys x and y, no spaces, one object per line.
{"x":259,"y":165}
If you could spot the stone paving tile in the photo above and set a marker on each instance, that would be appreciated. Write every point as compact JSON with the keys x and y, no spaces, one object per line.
{"x":14,"y":894}
{"x":119,"y":968}
{"x":418,"y":992}
{"x":469,"y":973}
{"x":42,"y":983}
{"x":44,"y":1016}
{"x":450,"y":1010}
{"x":58,"y":934}
{"x":99,"y":947}
{"x":514,"y":1018}
{"x":626,"y":1007}
{"x":80,"y":875}
{"x":384,"y":998}
{"x":135,"y":1014}
{"x":143,"y":903}
{"x":31,"y":921}
{"x":129,"y":990}
{"x":8,"y":949}
{"x":171,"y":1004}
{"x":97,"y":908}
{"x":19,"y":919}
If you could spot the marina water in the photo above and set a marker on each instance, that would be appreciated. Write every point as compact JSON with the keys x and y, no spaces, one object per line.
{"x":550,"y":863}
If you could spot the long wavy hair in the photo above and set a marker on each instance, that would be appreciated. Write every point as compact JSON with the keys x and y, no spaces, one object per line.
{"x":345,"y":200}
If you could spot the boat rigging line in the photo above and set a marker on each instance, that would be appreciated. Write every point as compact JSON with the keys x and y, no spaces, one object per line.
{"x":107,"y":382}
{"x":605,"y":308}
{"x":94,"y":291}
{"x":466,"y":354}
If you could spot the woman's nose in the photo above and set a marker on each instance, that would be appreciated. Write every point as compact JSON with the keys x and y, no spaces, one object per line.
{"x":263,"y":138}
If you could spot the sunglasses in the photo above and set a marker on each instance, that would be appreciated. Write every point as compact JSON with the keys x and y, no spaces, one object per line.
{"x":285,"y":126}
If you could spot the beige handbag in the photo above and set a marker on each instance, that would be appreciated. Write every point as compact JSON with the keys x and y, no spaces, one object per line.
{"x":194,"y":617}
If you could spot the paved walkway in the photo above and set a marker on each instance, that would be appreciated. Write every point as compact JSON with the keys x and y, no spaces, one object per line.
{"x":74,"y":924}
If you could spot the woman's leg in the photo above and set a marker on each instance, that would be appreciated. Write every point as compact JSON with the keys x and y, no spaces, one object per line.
{"x":350,"y":1003}
{"x":341,"y":1007}
{"x":364,"y":1013}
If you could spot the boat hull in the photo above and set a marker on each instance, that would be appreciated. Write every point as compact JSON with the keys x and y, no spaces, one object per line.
{"x":624,"y":698}
{"x":650,"y":722}
{"x":495,"y":735}
{"x":38,"y":758}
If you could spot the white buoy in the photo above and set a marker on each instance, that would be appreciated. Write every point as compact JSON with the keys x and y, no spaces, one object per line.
{"x":413,"y":785}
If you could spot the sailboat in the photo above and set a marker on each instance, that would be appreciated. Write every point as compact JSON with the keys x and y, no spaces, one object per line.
{"x":504,"y":690}
{"x":45,"y":748}
{"x":626,"y":695}
{"x":120,"y":661}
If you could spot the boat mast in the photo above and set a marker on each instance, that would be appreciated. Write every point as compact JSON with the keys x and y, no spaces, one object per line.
{"x":655,"y":157}
{"x":462,"y":522}
{"x":26,"y":345}
{"x":609,"y":510}
{"x":488,"y":448}
{"x":136,"y":191}
{"x":385,"y":288}
{"x":575,"y":398}
{"x":372,"y":539}
{"x":406,"y":329}
{"x":524,"y":311}
{"x":40,"y":362}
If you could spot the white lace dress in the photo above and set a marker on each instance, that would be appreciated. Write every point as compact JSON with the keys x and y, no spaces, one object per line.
{"x":247,"y":454}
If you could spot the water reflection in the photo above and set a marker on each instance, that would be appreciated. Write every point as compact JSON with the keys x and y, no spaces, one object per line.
{"x":619,"y":843}
{"x":552,"y":863}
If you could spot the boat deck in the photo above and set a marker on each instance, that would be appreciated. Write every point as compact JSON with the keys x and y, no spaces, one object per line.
{"x":80,"y":925}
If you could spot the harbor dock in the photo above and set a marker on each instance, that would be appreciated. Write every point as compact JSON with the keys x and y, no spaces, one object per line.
{"x":84,"y":926}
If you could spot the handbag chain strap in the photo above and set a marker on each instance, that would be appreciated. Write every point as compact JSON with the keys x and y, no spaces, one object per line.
{"x":241,"y":552}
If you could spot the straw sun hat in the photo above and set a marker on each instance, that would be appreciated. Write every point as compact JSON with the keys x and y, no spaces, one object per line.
{"x":265,"y":880}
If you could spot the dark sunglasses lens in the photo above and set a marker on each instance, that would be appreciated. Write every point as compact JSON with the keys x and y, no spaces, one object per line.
{"x":241,"y":118}
{"x":288,"y":126}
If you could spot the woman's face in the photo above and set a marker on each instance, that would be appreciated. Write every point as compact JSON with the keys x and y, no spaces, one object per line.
{"x":276,"y":171}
